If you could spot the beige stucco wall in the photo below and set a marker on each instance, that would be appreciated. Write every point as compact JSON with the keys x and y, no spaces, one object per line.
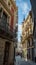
{"x":15,"y":18}
{"x":25,"y":49}
{"x":2,"y":46}
{"x":11,"y":53}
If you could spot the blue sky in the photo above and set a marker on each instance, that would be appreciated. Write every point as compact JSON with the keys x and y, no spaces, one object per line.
{"x":24,"y":7}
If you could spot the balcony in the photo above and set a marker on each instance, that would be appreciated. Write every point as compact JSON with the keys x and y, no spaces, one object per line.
{"x":5,"y":32}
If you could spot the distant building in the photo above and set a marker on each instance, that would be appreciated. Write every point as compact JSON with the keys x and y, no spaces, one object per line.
{"x":27,"y":37}
{"x":8,"y":20}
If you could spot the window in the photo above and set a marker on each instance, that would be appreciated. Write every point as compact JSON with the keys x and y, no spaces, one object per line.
{"x":6,"y":53}
{"x":28,"y":45}
{"x":30,"y":41}
{"x":4,"y":20}
{"x":1,"y":12}
{"x":9,"y":4}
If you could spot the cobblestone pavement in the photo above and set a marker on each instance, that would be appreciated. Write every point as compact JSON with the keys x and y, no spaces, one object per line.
{"x":23,"y":62}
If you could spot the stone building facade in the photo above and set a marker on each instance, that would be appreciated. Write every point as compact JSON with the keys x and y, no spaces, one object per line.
{"x":8,"y":12}
{"x":27,"y":37}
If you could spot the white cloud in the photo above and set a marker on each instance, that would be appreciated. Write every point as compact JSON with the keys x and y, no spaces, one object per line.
{"x":19,"y":27}
{"x":19,"y":39}
{"x":19,"y":31}
{"x":24,"y":6}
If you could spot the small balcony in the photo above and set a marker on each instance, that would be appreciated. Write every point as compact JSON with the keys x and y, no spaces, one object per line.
{"x":5,"y":32}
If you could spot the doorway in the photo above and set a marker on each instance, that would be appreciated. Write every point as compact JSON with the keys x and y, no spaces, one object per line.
{"x":6,"y":53}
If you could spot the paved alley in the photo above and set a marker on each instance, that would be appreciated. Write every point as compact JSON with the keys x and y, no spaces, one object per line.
{"x":27,"y":63}
{"x":23,"y":62}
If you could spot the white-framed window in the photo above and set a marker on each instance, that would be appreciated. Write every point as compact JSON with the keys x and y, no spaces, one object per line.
{"x":9,"y":4}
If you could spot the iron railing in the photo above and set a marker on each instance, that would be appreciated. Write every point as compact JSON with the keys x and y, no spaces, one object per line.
{"x":4,"y":29}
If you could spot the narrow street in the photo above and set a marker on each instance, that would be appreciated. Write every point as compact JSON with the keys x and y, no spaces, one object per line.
{"x":23,"y":62}
{"x":27,"y":63}
{"x":17,"y":32}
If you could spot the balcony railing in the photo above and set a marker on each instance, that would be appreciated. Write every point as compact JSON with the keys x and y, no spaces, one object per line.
{"x":5,"y":31}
